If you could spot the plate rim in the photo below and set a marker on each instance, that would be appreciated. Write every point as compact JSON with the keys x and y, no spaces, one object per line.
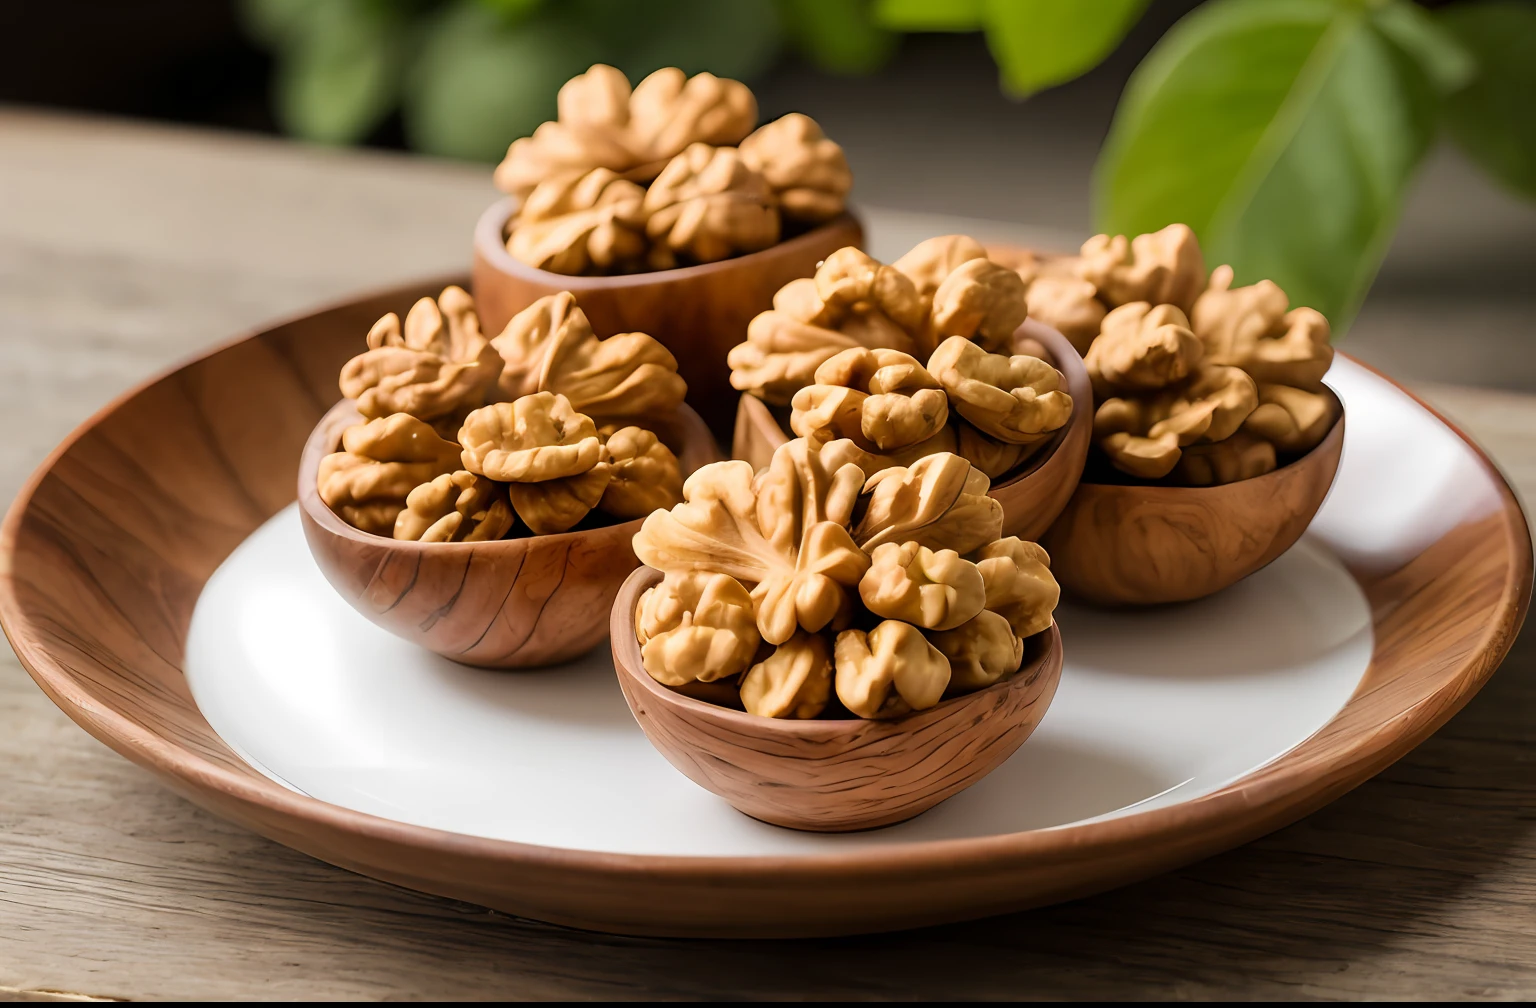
{"x":1280,"y":795}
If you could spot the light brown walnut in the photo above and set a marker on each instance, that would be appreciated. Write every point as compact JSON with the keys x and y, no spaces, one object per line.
{"x":981,"y":301}
{"x":1249,"y":327}
{"x":550,"y":347}
{"x":1145,"y":436}
{"x":669,"y":111}
{"x":899,"y":403}
{"x":455,"y":507}
{"x":807,"y":172}
{"x":993,"y":457}
{"x":939,"y":501}
{"x":929,"y":263}
{"x":1019,"y":399}
{"x":1239,"y":457}
{"x":864,"y":296}
{"x":829,"y":412}
{"x":784,"y":531}
{"x":532,"y":439}
{"x":852,"y":301}
{"x":1019,"y":584}
{"x":1069,"y":305}
{"x":933,"y":589}
{"x":707,"y":205}
{"x":1291,"y":419}
{"x":696,"y":627}
{"x":381,"y":462}
{"x":1163,"y":267}
{"x":556,"y":505}
{"x":875,"y":461}
{"x":794,"y":681}
{"x":439,"y":365}
{"x":602,"y":123}
{"x":890,"y":671}
{"x":646,"y":475}
{"x":1142,"y":347}
{"x":980,"y":651}
{"x":592,"y":223}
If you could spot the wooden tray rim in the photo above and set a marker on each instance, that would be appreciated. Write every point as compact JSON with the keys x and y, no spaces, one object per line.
{"x":1271,"y":793}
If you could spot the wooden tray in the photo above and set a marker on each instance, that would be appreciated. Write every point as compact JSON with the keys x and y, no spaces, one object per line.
{"x":1415,"y":578}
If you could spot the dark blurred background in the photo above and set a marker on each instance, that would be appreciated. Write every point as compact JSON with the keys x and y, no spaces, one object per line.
{"x":930,"y":132}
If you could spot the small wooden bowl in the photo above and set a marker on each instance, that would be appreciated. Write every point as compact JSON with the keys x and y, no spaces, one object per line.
{"x":1142,"y":545}
{"x":697,"y":312}
{"x":834,"y":776}
{"x":512,"y":603}
{"x":1033,"y":496}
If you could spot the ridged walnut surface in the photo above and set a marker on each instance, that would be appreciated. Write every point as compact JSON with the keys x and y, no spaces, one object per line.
{"x":509,"y":603}
{"x":106,"y":549}
{"x":1031,"y":497}
{"x":1142,"y":545}
{"x":836,"y":775}
{"x":698,"y":312}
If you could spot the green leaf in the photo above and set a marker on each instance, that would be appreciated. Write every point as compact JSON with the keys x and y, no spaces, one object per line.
{"x":932,"y":15}
{"x":275,"y":22}
{"x":1284,"y":132}
{"x":513,"y":11}
{"x":840,"y":36}
{"x":1447,"y":62}
{"x":1492,"y":119}
{"x":478,"y":84}
{"x":338,"y":69}
{"x":1041,"y":43}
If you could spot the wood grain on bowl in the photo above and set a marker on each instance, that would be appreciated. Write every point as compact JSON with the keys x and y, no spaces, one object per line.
{"x":524,"y":602}
{"x":105,"y":550}
{"x":1143,"y":545}
{"x":834,"y":775}
{"x":697,"y":312}
{"x":1033,"y":496}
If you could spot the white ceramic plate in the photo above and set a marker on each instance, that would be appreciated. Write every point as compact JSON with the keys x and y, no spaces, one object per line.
{"x":1155,"y":707}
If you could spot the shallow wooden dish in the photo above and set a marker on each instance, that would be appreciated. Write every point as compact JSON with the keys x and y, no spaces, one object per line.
{"x":697,"y":312}
{"x":1144,"y":545}
{"x":483,"y":603}
{"x":1034,"y":495}
{"x":833,"y":776}
{"x":106,"y":550}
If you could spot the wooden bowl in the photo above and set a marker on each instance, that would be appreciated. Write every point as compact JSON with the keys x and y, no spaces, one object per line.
{"x":1033,"y":496}
{"x":512,"y":603}
{"x":836,"y":775}
{"x":697,"y":312}
{"x":1143,"y":545}
{"x":108,"y":546}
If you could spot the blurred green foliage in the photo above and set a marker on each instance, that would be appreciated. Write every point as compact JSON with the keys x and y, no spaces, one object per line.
{"x":1285,"y":132}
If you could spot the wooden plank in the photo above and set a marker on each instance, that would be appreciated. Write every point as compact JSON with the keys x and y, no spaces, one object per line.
{"x":124,"y":247}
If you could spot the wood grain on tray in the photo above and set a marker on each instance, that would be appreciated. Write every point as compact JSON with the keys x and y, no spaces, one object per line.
{"x":104,"y":554}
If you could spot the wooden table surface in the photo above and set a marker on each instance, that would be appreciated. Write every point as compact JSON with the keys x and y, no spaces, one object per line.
{"x":125,"y":247}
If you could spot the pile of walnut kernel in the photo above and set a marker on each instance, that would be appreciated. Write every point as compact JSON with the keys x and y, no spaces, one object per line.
{"x":1195,"y":381}
{"x":668,"y":173}
{"x":464,"y":436}
{"x":906,"y":360}
{"x":893,"y":590}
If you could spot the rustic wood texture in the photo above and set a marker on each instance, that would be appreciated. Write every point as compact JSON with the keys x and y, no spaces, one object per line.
{"x":1416,"y":885}
{"x":482,"y":603}
{"x":833,"y":776}
{"x":697,"y":312}
{"x":1142,"y":545}
{"x":1032,"y":497}
{"x":103,"y":554}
